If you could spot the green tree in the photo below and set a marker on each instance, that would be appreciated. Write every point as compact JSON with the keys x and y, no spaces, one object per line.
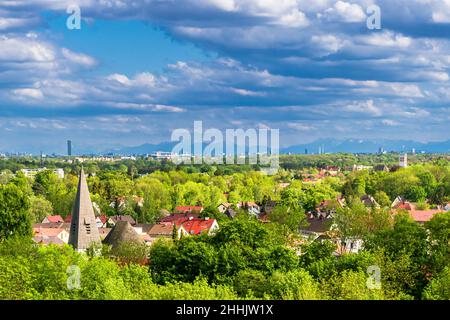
{"x":251,"y":283}
{"x":14,"y":212}
{"x":293,"y":285}
{"x":382,"y":199}
{"x":40,"y":208}
{"x":439,"y":287}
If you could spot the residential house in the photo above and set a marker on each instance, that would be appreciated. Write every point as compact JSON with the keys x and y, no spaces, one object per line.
{"x":189,"y":209}
{"x":223,"y":207}
{"x":420,"y":216}
{"x":53,"y":219}
{"x":317,"y":225}
{"x":198,"y":226}
{"x":332,"y":170}
{"x":184,"y":226}
{"x":103,"y":232}
{"x":177,"y":216}
{"x":348,"y":245}
{"x":360,"y":167}
{"x":30,"y":173}
{"x":322,"y":228}
{"x":142,"y":228}
{"x":447,"y":207}
{"x":329,"y":207}
{"x":101,"y":221}
{"x":231,"y":213}
{"x":53,"y":225}
{"x":50,"y":235}
{"x":397,"y":201}
{"x":369,"y":201}
{"x":114,"y":219}
{"x":227,"y":209}
{"x":121,"y":202}
{"x":251,"y":207}
{"x":381,"y":168}
{"x":162,"y":230}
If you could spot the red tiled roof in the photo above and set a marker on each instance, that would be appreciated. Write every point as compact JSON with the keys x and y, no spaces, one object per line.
{"x":54,"y":219}
{"x":47,"y":240}
{"x":404,"y":205}
{"x":196,"y":226}
{"x":68,"y":218}
{"x":123,"y":218}
{"x":161,"y":229}
{"x":188,"y":208}
{"x":49,"y":232}
{"x":177,"y":216}
{"x":423,"y":215}
{"x":103,"y":218}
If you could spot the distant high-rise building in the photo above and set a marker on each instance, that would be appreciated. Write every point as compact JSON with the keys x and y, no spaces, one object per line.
{"x":403,"y":160}
{"x":306,"y":151}
{"x":380,"y":150}
{"x":83,"y":228}
{"x":69,"y":147}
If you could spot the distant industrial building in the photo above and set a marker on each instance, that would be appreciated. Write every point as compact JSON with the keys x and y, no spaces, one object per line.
{"x":30,"y":173}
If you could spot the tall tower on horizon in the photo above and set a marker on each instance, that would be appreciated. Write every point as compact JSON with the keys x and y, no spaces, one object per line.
{"x":403,"y":160}
{"x":83,"y":228}
{"x":69,"y":147}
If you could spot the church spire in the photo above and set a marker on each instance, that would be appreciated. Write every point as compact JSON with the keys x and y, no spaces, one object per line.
{"x":83,"y":228}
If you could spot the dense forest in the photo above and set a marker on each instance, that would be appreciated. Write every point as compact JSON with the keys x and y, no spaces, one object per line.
{"x":246,"y":258}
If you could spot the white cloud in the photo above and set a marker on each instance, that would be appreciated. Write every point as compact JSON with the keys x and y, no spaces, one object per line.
{"x":366,"y":107}
{"x":78,"y":58}
{"x":329,"y":43}
{"x":294,"y":19}
{"x":387,"y":39}
{"x":244,"y":92}
{"x":29,"y":93}
{"x":25,"y":49}
{"x":344,"y":11}
{"x":389,"y":122}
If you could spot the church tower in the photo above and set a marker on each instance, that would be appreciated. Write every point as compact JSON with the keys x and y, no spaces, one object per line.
{"x":83,"y":228}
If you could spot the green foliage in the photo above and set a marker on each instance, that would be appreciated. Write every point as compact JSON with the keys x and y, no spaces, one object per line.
{"x":130,"y":252}
{"x":245,"y":258}
{"x":250,"y":283}
{"x":290,"y":217}
{"x":14,"y":215}
{"x":439,"y":287}
{"x":293,"y":285}
{"x":350,"y":285}
{"x":40,"y":208}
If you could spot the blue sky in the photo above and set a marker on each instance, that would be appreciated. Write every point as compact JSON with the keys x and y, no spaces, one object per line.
{"x":139,"y":69}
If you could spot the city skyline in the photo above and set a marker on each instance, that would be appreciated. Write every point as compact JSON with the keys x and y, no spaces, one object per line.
{"x":133,"y":73}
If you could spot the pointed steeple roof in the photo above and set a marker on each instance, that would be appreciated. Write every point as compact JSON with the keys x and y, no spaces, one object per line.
{"x":83,"y":228}
{"x":122,"y":232}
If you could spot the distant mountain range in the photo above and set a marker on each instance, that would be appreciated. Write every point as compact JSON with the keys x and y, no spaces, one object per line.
{"x":323,"y":146}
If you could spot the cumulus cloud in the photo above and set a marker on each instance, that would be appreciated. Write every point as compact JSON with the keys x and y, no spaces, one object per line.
{"x":344,"y":11}
{"x":295,"y":63}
